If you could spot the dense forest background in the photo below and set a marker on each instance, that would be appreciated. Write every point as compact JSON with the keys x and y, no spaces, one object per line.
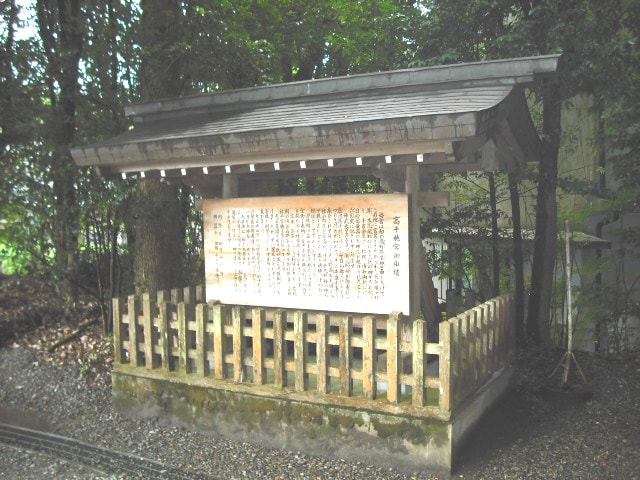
{"x":68,"y":67}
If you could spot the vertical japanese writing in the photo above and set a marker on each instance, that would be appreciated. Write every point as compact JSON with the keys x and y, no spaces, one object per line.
{"x":321,"y":251}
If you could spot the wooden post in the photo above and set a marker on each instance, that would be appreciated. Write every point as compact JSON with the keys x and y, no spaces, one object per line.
{"x":176,"y":296}
{"x":344,"y":334}
{"x":258,"y":324}
{"x":419,"y":362}
{"x":473,"y":345}
{"x":322,"y":350}
{"x":163,"y":328}
{"x":133,"y":308}
{"x":201,"y":294}
{"x":465,"y":363}
{"x":492,"y":335}
{"x":189,"y":295}
{"x":229,"y":185}
{"x":238,"y":347}
{"x":484,"y":366}
{"x":454,"y":356}
{"x":147,"y":322}
{"x":452,"y":303}
{"x":201,"y":321}
{"x":444,"y":366}
{"x":183,"y":321}
{"x":368,"y":358}
{"x":163,"y":296}
{"x":279,"y":322}
{"x":218,"y":341}
{"x":117,"y":330}
{"x":300,"y":350}
{"x":412,"y":187}
{"x":416,"y":250}
{"x":393,"y":352}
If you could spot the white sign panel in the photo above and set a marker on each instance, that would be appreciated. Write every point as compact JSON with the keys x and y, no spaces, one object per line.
{"x":332,"y":253}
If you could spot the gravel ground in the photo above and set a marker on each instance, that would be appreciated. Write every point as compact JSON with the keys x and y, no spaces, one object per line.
{"x":524,"y":437}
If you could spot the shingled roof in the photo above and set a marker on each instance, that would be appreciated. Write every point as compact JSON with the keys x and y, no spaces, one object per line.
{"x":456,"y":117}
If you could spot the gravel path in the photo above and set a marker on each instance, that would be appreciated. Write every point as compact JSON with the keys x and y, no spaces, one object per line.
{"x":523,"y":438}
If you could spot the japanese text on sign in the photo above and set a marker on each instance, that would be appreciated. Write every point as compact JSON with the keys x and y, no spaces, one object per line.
{"x":339,"y":253}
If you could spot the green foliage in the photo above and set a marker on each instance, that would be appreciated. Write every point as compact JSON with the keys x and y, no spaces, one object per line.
{"x":48,"y":205}
{"x":466,"y":228}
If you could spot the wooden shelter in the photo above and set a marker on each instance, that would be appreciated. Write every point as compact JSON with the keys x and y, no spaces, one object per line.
{"x":399,"y":126}
{"x":446,"y":118}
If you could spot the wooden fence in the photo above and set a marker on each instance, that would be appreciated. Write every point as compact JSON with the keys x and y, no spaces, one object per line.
{"x":330,"y":353}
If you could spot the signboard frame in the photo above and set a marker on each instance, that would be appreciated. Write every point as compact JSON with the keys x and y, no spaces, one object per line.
{"x":346,"y":253}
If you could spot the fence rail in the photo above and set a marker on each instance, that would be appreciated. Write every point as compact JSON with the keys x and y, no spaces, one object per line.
{"x":330,"y":353}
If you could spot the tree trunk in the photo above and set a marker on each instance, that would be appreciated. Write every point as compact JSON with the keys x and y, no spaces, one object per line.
{"x":159,"y":228}
{"x":544,"y":253}
{"x":61,"y":29}
{"x":159,"y":237}
{"x":517,"y":255}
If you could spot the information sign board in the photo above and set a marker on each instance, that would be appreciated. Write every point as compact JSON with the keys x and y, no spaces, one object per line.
{"x":332,"y":253}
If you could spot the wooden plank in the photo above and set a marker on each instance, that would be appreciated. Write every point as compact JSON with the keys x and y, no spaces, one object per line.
{"x":189,"y":295}
{"x":444,"y":367}
{"x":229,"y":186}
{"x":259,"y":321}
{"x":176,"y":295}
{"x":201,"y":320}
{"x":454,"y":355}
{"x":492,"y":335}
{"x":484,"y":365}
{"x":200,"y":294}
{"x":238,"y":347}
{"x":147,"y":323}
{"x":474,"y":345}
{"x":300,"y":350}
{"x":479,"y":314}
{"x":368,"y":358}
{"x":346,"y":387}
{"x":116,"y":311}
{"x":322,"y":352}
{"x":465,"y":370}
{"x":163,"y":296}
{"x":419,"y":363}
{"x":134,"y":310}
{"x":393,"y":352}
{"x":218,"y":341}
{"x":183,"y":353}
{"x":163,"y":330}
{"x":279,"y":323}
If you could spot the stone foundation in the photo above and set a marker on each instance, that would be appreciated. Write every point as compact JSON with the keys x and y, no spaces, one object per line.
{"x":373,"y":432}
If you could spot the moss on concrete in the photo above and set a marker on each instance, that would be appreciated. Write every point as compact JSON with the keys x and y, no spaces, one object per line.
{"x":417,"y":432}
{"x":292,"y":423}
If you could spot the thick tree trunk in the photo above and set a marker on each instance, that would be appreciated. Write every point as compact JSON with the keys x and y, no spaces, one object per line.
{"x":544,"y":254}
{"x":518,"y":260}
{"x":159,"y":237}
{"x":159,"y":228}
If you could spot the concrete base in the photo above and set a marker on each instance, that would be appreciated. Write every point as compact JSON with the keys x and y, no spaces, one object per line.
{"x":373,"y":432}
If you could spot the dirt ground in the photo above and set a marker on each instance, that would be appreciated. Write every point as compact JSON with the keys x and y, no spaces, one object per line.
{"x":526,"y":435}
{"x":33,"y":314}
